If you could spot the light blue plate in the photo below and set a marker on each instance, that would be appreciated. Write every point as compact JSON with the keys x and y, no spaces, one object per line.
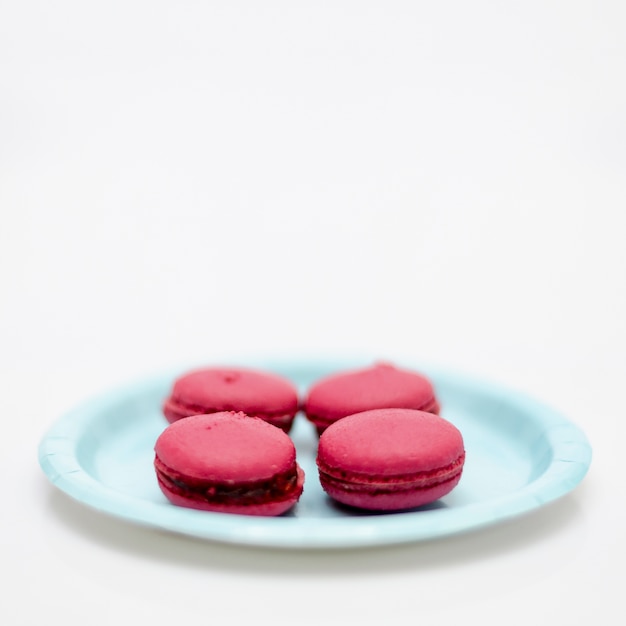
{"x":520,"y":456}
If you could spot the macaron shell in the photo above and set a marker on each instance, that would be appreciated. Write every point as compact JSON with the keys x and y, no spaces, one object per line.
{"x":390,"y":443}
{"x":380,"y":386}
{"x":225,"y":447}
{"x":174,"y":412}
{"x":390,"y":501}
{"x":390,"y":459}
{"x":212,"y":390}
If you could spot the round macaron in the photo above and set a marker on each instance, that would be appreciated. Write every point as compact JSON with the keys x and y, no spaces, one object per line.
{"x":214,"y":389}
{"x":229,"y":463}
{"x":390,"y":459}
{"x":378,"y":387}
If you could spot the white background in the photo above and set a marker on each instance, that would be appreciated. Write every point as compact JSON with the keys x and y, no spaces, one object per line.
{"x":199,"y":181}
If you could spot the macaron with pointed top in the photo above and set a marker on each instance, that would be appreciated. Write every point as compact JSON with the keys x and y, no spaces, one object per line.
{"x":228,"y":463}
{"x":377,"y":387}
{"x":390,"y":459}
{"x":261,"y":394}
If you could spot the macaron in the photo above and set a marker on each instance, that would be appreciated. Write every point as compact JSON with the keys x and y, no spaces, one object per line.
{"x":228,"y":463}
{"x":377,"y":387}
{"x":215,"y":389}
{"x":390,"y":459}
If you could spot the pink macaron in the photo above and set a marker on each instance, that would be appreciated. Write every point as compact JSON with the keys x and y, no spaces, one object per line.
{"x":214,"y":389}
{"x":390,"y":459}
{"x":378,"y":387}
{"x":228,"y":463}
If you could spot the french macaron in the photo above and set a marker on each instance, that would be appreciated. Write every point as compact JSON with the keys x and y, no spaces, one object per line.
{"x":261,"y":394}
{"x":377,"y":387}
{"x":228,"y":462}
{"x":390,"y":459}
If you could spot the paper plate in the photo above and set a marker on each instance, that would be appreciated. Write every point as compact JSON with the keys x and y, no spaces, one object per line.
{"x":520,"y":456}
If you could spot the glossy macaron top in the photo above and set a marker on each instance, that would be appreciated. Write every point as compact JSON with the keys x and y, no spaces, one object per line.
{"x":215,"y":389}
{"x":387,"y":443}
{"x":380,"y":386}
{"x":225,"y":448}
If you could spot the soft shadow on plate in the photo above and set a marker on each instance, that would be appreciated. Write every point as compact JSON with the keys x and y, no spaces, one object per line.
{"x":506,"y":537}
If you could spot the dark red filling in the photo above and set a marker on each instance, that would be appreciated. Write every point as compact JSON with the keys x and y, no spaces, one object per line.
{"x":276,"y":488}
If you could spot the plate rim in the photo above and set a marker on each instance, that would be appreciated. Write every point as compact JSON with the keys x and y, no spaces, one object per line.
{"x":571,"y":458}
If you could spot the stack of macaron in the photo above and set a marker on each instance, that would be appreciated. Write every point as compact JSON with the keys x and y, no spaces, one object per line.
{"x":214,"y":389}
{"x":230,"y":463}
{"x":381,"y":386}
{"x":382,"y":445}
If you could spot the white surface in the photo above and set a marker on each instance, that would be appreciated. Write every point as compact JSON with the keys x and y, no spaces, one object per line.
{"x":201,"y":180}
